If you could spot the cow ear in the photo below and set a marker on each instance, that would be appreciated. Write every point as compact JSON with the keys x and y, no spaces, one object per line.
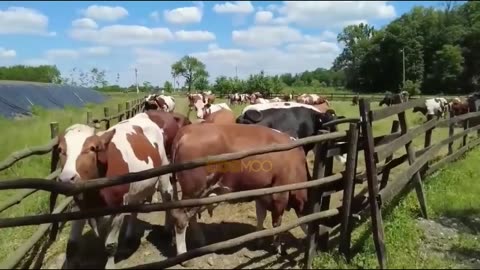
{"x":253,"y":115}
{"x":105,"y":139}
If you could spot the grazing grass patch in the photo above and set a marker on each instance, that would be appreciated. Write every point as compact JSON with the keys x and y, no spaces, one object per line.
{"x":453,"y":194}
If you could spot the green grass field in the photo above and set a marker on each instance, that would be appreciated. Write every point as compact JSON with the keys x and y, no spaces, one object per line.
{"x":34,"y":131}
{"x":451,"y":193}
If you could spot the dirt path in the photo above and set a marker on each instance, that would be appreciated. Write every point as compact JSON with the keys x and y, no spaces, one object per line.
{"x":228,"y":221}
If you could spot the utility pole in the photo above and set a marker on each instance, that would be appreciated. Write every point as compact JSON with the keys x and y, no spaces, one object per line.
{"x":236,"y":72}
{"x":136,"y":79}
{"x":403,"y":66}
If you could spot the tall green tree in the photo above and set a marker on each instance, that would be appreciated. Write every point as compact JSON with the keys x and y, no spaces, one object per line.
{"x":191,"y":69}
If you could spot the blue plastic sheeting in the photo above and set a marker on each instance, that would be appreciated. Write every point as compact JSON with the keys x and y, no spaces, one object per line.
{"x":17,"y":98}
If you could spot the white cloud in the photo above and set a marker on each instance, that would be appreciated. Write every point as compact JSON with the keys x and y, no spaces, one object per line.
{"x":20,"y":20}
{"x":183,"y":15}
{"x":155,"y":15}
{"x":262,"y":17}
{"x":6,"y":53}
{"x":213,"y":46}
{"x":122,"y":35}
{"x":266,"y":36}
{"x":235,"y":7}
{"x":105,"y":13}
{"x":85,"y":23}
{"x":96,"y":51}
{"x":61,"y":53}
{"x":220,"y":61}
{"x":200,"y":36}
{"x":313,"y":45}
{"x":272,"y":7}
{"x":37,"y":62}
{"x":328,"y":35}
{"x":334,"y":13}
{"x":152,"y":65}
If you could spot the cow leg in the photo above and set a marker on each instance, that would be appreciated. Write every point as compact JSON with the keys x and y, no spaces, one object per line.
{"x":279,"y":204}
{"x":261,"y":215}
{"x":130,"y":225}
{"x":111,"y":244}
{"x":341,"y":158}
{"x":181,"y":225}
{"x":165,"y":188}
{"x":198,"y":235}
{"x":73,"y":242}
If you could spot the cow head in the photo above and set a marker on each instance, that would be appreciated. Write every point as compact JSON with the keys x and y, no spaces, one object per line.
{"x":250,"y":117}
{"x":199,"y":106}
{"x":422,"y":109}
{"x":82,"y":153}
{"x":327,"y":117}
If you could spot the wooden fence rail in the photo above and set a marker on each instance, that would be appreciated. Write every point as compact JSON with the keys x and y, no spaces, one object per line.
{"x":49,"y":147}
{"x":320,"y":219}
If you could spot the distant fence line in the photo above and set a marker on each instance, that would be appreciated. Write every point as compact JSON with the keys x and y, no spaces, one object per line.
{"x":379,"y":190}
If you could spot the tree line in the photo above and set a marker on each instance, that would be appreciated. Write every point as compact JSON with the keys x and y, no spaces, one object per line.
{"x":426,"y":50}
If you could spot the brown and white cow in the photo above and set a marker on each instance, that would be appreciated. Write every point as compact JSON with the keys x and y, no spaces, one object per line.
{"x":213,"y":180}
{"x":459,"y":107}
{"x":181,"y":119}
{"x":159,"y":102}
{"x":218,"y":114}
{"x":133,"y":145}
{"x":200,"y":98}
{"x":312,"y":99}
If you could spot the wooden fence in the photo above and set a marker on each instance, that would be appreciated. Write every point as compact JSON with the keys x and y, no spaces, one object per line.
{"x":378,"y":186}
{"x":131,"y":108}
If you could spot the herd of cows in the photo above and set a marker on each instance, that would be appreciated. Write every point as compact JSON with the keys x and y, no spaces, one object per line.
{"x":159,"y":136}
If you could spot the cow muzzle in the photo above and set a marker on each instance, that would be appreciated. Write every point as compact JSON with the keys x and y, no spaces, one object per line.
{"x":68,"y":177}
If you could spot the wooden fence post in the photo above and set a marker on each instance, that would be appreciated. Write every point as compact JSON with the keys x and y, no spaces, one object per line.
{"x":106,"y":113}
{"x":324,"y":234}
{"x":120,"y":116}
{"x":373,"y":198}
{"x":348,"y":192}
{"x":411,"y":159}
{"x":89,"y":117}
{"x":315,"y":201}
{"x":386,"y":171}
{"x":465,"y":126}
{"x":427,"y":143}
{"x":451,"y":130}
{"x":53,"y":167}
{"x":127,"y":110}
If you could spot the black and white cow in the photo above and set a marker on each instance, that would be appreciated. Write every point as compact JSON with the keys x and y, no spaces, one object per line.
{"x":296,"y":119}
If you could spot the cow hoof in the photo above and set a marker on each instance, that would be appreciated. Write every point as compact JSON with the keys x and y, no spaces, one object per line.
{"x":110,"y":264}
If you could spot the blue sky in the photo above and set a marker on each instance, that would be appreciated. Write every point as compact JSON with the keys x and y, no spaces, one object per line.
{"x":245,"y":36}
